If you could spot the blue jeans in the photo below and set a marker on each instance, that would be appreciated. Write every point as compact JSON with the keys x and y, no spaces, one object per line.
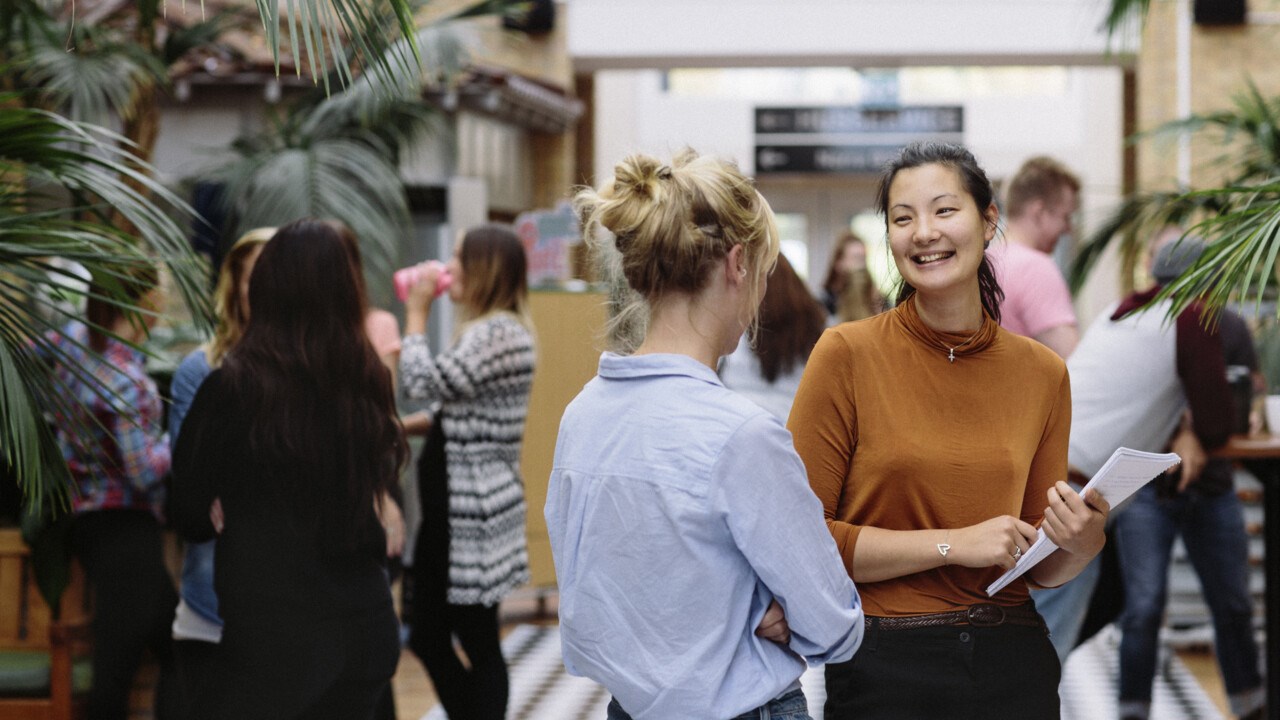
{"x":1065,"y":607}
{"x":788,"y":706}
{"x":1212,"y":528}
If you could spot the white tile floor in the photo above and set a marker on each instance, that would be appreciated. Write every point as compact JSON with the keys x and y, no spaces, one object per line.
{"x":1090,"y":683}
{"x":541,"y":689}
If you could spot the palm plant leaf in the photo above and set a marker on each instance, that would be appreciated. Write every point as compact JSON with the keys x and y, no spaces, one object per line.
{"x":85,"y":161}
{"x":1237,"y":218}
{"x":1122,"y":13}
{"x":1136,"y":219}
{"x":1248,"y":132}
{"x":1241,"y":260}
{"x":341,"y":178}
{"x":392,"y":99}
{"x":181,"y":40}
{"x":337,"y":155}
{"x":52,"y":157}
{"x":97,"y":81}
{"x":323,"y":28}
{"x":320,"y":31}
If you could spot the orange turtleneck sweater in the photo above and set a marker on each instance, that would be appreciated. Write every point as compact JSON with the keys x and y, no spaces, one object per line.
{"x":895,"y":436}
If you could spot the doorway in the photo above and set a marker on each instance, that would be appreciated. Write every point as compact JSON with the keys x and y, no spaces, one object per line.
{"x":822,"y":209}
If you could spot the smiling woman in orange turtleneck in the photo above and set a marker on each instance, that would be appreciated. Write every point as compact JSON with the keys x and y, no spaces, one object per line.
{"x":937,"y":443}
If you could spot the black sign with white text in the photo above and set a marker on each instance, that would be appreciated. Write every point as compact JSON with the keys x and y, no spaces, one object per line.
{"x":846,"y":139}
{"x":823,"y":158}
{"x":927,"y":119}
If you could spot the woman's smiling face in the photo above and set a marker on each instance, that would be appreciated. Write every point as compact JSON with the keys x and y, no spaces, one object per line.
{"x":936,"y":231}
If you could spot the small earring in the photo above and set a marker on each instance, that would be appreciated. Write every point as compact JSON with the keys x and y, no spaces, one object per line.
{"x":742,"y":272}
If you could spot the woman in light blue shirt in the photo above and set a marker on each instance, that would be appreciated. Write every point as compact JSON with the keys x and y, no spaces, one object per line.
{"x":696,"y":573}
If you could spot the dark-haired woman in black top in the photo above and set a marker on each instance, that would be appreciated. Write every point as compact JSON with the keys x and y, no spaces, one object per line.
{"x":296,"y":436}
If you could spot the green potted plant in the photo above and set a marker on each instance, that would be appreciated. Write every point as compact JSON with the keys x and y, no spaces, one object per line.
{"x":1267,"y":341}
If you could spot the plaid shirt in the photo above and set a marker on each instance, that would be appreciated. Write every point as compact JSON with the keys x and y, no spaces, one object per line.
{"x":109,"y":428}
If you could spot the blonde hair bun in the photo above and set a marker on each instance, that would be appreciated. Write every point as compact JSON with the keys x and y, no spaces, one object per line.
{"x":641,"y":175}
{"x":667,"y":224}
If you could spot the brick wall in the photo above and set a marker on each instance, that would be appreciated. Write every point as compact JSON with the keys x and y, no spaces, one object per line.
{"x":1221,"y":60}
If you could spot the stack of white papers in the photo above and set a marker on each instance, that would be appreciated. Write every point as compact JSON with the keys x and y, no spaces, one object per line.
{"x":1121,"y":476}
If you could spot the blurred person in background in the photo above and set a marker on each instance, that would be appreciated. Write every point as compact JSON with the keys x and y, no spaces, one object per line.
{"x":197,"y":627}
{"x":849,"y":292}
{"x":471,"y":550}
{"x":1040,"y":199}
{"x":383,"y":332}
{"x":937,"y":442}
{"x":767,"y":371}
{"x":295,"y":435}
{"x":109,"y":429}
{"x":1196,"y":502}
{"x":696,"y":577}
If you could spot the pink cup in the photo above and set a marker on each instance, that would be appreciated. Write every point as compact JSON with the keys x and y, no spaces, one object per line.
{"x":405,"y":278}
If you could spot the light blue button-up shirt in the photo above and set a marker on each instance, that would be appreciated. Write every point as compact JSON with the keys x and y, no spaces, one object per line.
{"x":677,"y":511}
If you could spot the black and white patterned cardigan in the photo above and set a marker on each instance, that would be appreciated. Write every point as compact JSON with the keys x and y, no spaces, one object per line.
{"x":482,"y":383}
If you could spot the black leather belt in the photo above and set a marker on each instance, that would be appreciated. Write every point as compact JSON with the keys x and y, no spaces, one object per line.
{"x":980,"y":615}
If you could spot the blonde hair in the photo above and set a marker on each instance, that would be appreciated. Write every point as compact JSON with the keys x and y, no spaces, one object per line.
{"x":668,"y":225}
{"x":495,"y":274}
{"x":860,"y":298}
{"x":232,"y":317}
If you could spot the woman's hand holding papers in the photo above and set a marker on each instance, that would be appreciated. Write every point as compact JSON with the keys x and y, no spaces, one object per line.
{"x":999,"y":541}
{"x":1076,"y":524}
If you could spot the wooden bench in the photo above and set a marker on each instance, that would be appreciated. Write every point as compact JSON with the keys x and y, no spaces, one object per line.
{"x":44,"y":666}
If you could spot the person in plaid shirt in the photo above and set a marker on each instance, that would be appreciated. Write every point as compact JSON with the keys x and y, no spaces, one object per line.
{"x":111,"y":436}
{"x":108,"y":423}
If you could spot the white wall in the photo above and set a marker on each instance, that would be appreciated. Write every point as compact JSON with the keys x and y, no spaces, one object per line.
{"x":633,"y":114}
{"x":867,"y":33}
{"x":1073,"y":114}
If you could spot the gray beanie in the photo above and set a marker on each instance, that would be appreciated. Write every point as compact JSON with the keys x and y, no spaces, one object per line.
{"x":1175,"y":257}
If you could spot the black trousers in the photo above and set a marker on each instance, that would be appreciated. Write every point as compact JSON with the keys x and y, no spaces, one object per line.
{"x":290,"y":667}
{"x":194,"y":660}
{"x":958,"y":671}
{"x":133,"y":604}
{"x":477,"y":691}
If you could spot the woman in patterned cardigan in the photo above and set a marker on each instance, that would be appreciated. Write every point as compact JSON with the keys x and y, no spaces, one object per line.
{"x":471,"y":547}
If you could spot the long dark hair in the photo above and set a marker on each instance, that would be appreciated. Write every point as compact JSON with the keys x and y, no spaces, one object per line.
{"x":791,"y":322}
{"x":323,"y":406}
{"x":975,"y":182}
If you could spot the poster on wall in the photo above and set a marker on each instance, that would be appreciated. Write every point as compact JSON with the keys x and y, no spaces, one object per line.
{"x":547,"y":236}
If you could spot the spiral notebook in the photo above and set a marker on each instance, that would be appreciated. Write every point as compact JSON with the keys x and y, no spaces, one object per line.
{"x":1121,"y":476}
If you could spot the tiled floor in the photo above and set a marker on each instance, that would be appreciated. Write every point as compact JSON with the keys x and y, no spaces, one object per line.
{"x":542,"y":688}
{"x":415,"y":696}
{"x":1189,"y":687}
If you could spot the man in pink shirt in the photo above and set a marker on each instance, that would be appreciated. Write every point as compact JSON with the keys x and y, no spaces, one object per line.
{"x":1040,"y":200}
